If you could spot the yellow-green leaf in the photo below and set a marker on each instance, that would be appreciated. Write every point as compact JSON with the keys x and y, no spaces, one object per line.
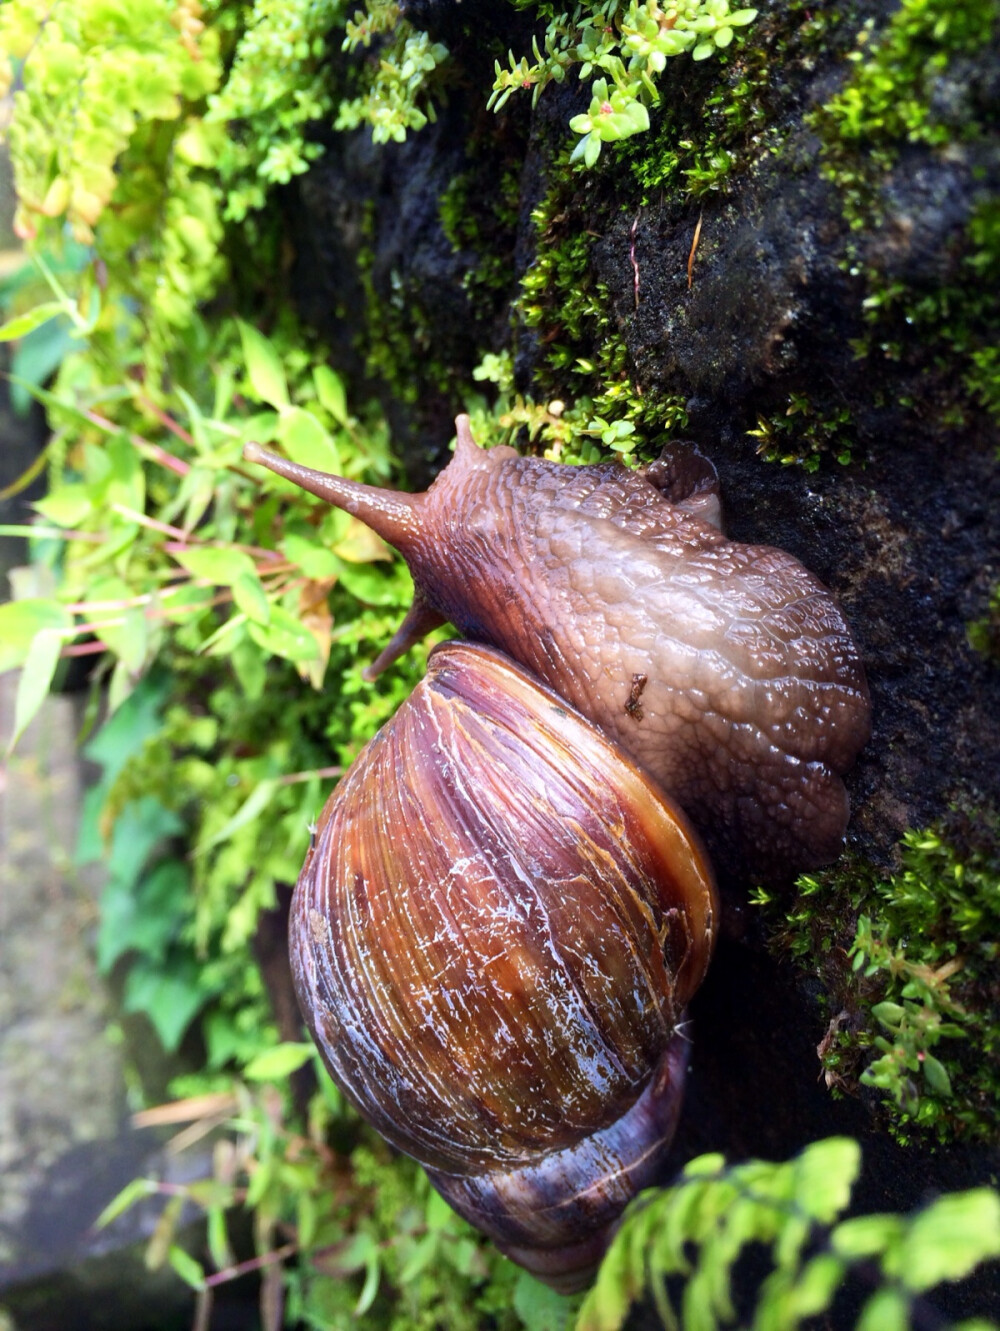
{"x":330,"y":391}
{"x":305,"y":441}
{"x":264,"y":368}
{"x":222,"y":565}
{"x":36,"y":677}
{"x":20,"y":621}
{"x":285,"y":636}
{"x":23,"y":324}
{"x":66,"y":506}
{"x":278,"y":1063}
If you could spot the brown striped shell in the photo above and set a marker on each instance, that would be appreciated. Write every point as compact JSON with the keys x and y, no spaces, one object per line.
{"x":492,"y":939}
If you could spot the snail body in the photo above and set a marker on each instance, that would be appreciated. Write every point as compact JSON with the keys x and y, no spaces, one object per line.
{"x":725,"y":669}
{"x":493,"y":938}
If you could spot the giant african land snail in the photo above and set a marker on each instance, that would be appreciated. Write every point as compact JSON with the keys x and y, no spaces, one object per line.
{"x":495,"y":933}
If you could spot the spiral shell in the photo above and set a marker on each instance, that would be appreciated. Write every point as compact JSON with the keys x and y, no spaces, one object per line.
{"x":493,"y":939}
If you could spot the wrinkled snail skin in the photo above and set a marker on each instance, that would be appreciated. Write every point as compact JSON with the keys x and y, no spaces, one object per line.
{"x":607,"y":583}
{"x":493,"y":939}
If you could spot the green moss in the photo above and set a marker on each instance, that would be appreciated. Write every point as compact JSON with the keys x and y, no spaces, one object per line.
{"x":904,"y":94}
{"x":396,"y":339}
{"x":478,"y":213}
{"x":584,"y":361}
{"x":984,"y":633}
{"x":805,"y":434}
{"x":890,"y":100}
{"x":909,"y":971}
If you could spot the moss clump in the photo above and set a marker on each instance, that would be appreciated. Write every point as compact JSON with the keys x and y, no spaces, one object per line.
{"x":910,"y":976}
{"x":984,"y":633}
{"x":805,"y":434}
{"x":478,"y":213}
{"x":893,"y":96}
{"x":920,"y":88}
{"x":582,"y":353}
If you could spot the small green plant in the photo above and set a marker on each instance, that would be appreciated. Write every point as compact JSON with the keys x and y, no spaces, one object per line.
{"x":679,"y":1247}
{"x":627,"y":46}
{"x":888,"y":99}
{"x":342,"y":1233}
{"x":801,"y":436}
{"x":915,"y":1024}
{"x":897,"y":100}
{"x":132,"y":63}
{"x":910,"y":977}
{"x":256,"y":130}
{"x":398,"y":98}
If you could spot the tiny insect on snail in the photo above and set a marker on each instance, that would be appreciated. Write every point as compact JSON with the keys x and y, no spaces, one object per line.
{"x":503,"y":913}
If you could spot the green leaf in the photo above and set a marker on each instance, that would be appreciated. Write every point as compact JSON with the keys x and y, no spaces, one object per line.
{"x":541,"y":1308}
{"x":144,"y":914}
{"x":315,"y":561}
{"x":221,"y":565}
{"x":136,"y":1191}
{"x":264,"y":368}
{"x":377,"y":584}
{"x":785,"y":1300}
{"x":23,"y":324}
{"x":36,"y":357}
{"x":190,"y":1271}
{"x":823,"y":1176}
{"x":278,"y":1063}
{"x":36,"y":677}
{"x":889,"y":1014}
{"x":250,"y":597}
{"x":129,"y":640}
{"x":20,"y":621}
{"x":373,"y":1274}
{"x":218,"y":1237}
{"x":331,"y":393}
{"x":140,"y":826}
{"x":285,"y":636}
{"x":866,"y":1235}
{"x":438,"y":1214}
{"x":66,"y":506}
{"x":949,"y":1239}
{"x":251,"y":808}
{"x":349,"y":1256}
{"x":705,"y":1166}
{"x":424,"y":1252}
{"x":306,"y":1219}
{"x":886,"y":1310}
{"x":170,"y":993}
{"x":937,"y":1075}
{"x":305,"y":441}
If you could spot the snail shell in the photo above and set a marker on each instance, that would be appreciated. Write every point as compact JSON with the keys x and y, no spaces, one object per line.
{"x":492,"y":940}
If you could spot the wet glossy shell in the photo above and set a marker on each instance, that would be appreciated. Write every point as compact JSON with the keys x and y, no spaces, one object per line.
{"x":499,"y":924}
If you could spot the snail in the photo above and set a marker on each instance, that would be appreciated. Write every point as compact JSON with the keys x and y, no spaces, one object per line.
{"x":493,"y":938}
{"x":504,"y":910}
{"x":726,"y":670}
